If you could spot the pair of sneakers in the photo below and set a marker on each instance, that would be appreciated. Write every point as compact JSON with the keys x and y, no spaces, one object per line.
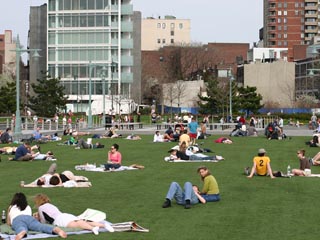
{"x":167,"y":204}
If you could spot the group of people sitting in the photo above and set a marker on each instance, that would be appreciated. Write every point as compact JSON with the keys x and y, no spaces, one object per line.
{"x":262,"y":165}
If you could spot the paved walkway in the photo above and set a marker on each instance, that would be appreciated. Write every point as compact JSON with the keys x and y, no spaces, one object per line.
{"x":150,"y":130}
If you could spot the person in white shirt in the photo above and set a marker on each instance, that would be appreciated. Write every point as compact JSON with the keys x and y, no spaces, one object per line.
{"x":49,"y":213}
{"x":21,"y":220}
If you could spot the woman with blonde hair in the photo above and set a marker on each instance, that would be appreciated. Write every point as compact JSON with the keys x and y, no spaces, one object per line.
{"x":49,"y":213}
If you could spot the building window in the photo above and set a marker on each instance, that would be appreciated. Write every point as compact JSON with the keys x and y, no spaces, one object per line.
{"x":180,"y":25}
{"x":279,"y":28}
{"x":172,"y":33}
{"x":285,"y":13}
{"x":279,"y":35}
{"x":159,"y":40}
{"x":279,"y":20}
{"x":159,"y":25}
{"x":163,"y":25}
{"x":296,"y":12}
{"x":172,"y":26}
{"x":284,"y":20}
{"x":285,"y":35}
{"x":302,"y":28}
{"x":279,"y":5}
{"x":163,"y":41}
{"x":279,"y":13}
{"x":172,"y":41}
{"x":302,"y":35}
{"x":296,"y":5}
{"x":285,"y":5}
{"x":285,"y":28}
{"x":285,"y":43}
{"x":279,"y":43}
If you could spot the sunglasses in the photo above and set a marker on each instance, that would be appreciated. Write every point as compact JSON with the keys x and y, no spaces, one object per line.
{"x":298,"y":152}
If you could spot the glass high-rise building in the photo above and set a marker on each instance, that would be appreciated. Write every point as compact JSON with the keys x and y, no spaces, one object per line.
{"x":99,"y":32}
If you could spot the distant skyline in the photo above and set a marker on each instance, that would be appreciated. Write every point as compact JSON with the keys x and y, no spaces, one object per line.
{"x":211,"y":21}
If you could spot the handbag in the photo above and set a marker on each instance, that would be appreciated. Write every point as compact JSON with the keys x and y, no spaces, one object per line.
{"x":128,"y":227}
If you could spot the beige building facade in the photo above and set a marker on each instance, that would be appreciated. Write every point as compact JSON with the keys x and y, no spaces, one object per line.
{"x":159,"y":32}
{"x":274,"y":81}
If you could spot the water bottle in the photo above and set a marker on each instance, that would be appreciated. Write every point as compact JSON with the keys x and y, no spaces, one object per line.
{"x":3,"y":217}
{"x":289,"y":171}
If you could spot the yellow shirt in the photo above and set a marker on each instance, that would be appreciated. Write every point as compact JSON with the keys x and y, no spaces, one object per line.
{"x":210,"y":185}
{"x":261,"y":165}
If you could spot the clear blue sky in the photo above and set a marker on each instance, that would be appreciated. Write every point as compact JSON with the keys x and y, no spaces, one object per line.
{"x":211,"y":20}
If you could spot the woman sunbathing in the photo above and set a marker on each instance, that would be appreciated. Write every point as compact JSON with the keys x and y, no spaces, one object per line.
{"x":49,"y":213}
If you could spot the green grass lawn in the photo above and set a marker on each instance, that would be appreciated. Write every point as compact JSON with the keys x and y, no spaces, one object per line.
{"x":258,"y":208}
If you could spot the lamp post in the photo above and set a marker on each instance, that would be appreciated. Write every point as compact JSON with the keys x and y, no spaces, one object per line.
{"x":113,"y":65}
{"x":75,"y":77}
{"x":90,"y":92}
{"x":19,"y":51}
{"x":104,"y":96}
{"x":231,"y":78}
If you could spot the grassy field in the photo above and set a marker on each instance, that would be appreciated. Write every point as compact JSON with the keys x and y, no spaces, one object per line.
{"x":258,"y":208}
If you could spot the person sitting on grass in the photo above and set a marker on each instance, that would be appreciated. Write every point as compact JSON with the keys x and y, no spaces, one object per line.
{"x":304,"y":164}
{"x":261,"y":165}
{"x":23,"y":153}
{"x":21,"y":220}
{"x":114,"y":158}
{"x":158,"y":137}
{"x":49,"y":213}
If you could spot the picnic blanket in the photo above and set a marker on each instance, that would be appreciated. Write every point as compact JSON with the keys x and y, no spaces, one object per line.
{"x":6,"y":231}
{"x":94,"y":168}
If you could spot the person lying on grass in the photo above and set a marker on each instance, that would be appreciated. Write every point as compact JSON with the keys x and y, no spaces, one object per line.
{"x":51,"y":178}
{"x":188,"y":196}
{"x":261,"y":165}
{"x":49,"y":213}
{"x":191,"y":195}
{"x":21,"y":220}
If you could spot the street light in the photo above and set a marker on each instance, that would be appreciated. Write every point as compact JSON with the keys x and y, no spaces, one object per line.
{"x":231,"y":78}
{"x":75,"y":77}
{"x":90,"y":92}
{"x":91,"y":66}
{"x":104,"y":95}
{"x":113,"y":65}
{"x":19,"y":51}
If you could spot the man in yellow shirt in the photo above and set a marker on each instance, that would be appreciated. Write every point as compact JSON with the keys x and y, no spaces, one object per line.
{"x":261,"y":165}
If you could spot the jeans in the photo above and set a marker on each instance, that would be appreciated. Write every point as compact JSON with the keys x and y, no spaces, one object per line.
{"x":111,"y":165}
{"x":196,"y":157}
{"x":211,"y":197}
{"x":176,"y":192}
{"x":82,"y":143}
{"x":27,"y":222}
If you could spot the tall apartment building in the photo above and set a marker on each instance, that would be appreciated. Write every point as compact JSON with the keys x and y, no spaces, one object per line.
{"x":160,"y":32}
{"x":37,"y":39}
{"x":96,"y":31}
{"x":7,"y":56}
{"x":290,"y":23}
